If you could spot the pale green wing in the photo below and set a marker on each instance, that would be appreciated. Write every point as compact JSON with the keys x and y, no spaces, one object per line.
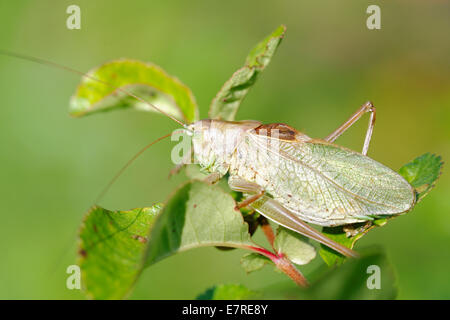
{"x":327,"y":184}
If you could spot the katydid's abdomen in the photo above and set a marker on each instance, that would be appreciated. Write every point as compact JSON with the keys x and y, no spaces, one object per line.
{"x":322,"y":183}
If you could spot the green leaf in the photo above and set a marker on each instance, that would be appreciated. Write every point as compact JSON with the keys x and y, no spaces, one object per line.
{"x":112,"y":248}
{"x":345,"y":235}
{"x":197,"y":215}
{"x":350,"y":281}
{"x":193,"y":172}
{"x":226,"y":103}
{"x":226,"y":292}
{"x":116,"y":246}
{"x":422,"y":173}
{"x":254,"y":261}
{"x":145,"y":80}
{"x":294,"y":246}
{"x":355,"y":279}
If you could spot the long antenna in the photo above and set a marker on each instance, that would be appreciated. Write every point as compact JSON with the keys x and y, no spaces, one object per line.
{"x":60,"y":66}
{"x":129,"y":162}
{"x":117,"y":175}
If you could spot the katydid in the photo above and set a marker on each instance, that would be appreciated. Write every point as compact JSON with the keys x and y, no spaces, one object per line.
{"x":303,"y":180}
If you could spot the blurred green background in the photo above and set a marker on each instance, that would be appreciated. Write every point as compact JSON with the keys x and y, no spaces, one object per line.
{"x":53,"y":166}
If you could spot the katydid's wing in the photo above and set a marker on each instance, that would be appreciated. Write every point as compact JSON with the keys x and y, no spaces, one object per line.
{"x":327,"y":184}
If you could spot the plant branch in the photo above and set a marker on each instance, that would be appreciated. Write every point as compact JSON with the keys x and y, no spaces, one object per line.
{"x":291,"y":271}
{"x":284,"y":265}
{"x":267,"y":229}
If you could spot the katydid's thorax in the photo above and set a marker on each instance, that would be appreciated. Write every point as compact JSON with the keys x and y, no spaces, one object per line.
{"x":215,"y":142}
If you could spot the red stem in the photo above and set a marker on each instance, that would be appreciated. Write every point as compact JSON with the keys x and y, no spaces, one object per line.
{"x":283,"y":264}
{"x":268,"y":231}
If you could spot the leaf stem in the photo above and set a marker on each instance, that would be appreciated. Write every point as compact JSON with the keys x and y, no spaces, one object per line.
{"x":284,"y":265}
{"x":291,"y":271}
{"x":267,"y":229}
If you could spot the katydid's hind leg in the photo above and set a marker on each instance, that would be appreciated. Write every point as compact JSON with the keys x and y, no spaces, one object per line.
{"x":273,"y":210}
{"x":367,"y":107}
{"x":244,"y":186}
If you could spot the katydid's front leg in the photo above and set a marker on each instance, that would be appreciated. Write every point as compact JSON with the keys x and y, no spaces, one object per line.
{"x":274,"y":211}
{"x":240,"y":185}
{"x":366,"y":107}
